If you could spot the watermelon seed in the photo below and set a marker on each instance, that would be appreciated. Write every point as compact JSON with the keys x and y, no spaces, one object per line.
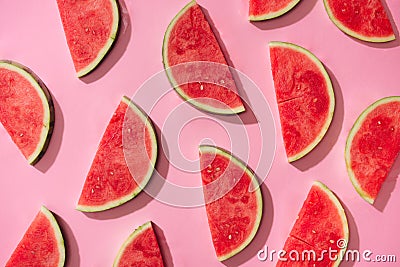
{"x":229,"y":237}
{"x":222,"y":81}
{"x":379,"y":122}
{"x":111,"y":173}
{"x":379,"y":147}
{"x":201,"y":87}
{"x":331,"y":241}
{"x":86,"y":29}
{"x":218,"y":169}
{"x":21,"y":134}
{"x":313,"y":232}
{"x":92,"y":191}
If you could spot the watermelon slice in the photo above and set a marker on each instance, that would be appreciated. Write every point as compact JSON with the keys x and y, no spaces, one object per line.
{"x":320,"y":226}
{"x":140,"y":249}
{"x":234,"y":216}
{"x":305,"y":97}
{"x":42,"y":244}
{"x":128,"y":147}
{"x":90,"y":27}
{"x":364,"y":20}
{"x":26,"y":109}
{"x":269,"y":9}
{"x":189,"y":49}
{"x":373,"y":145}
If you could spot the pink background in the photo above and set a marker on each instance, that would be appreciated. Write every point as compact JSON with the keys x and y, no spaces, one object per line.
{"x":31,"y":34}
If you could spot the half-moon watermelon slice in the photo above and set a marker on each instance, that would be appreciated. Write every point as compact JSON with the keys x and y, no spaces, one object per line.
{"x":269,"y":9}
{"x":42,"y":245}
{"x":140,"y":249}
{"x":320,"y":226}
{"x":305,"y":97}
{"x":373,"y":145}
{"x":26,"y":109}
{"x":364,"y":20}
{"x":90,"y":27}
{"x":189,"y":49}
{"x":124,"y":161}
{"x":233,"y":216}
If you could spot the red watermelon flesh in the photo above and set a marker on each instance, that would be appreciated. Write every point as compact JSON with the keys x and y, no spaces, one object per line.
{"x":90,"y":27}
{"x":305,"y":97}
{"x":373,"y":146}
{"x":234,"y":217}
{"x":366,"y":20}
{"x":268,"y":9}
{"x":320,"y":225}
{"x":189,"y":38}
{"x":300,"y":254}
{"x":140,"y":249}
{"x":42,"y":245}
{"x":110,"y":182}
{"x":26,"y":109}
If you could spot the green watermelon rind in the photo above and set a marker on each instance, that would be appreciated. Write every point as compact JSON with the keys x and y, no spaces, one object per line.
{"x":129,"y":240}
{"x":146,"y":179}
{"x":342,"y":215}
{"x":175,"y":84}
{"x":275,"y":14}
{"x":57,"y":232}
{"x":219,"y":151}
{"x":47,"y":103}
{"x":331,"y":93}
{"x":354,"y":130}
{"x":348,"y":31}
{"x":106,"y":48}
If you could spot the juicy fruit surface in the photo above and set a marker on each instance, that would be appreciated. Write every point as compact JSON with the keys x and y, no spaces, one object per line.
{"x":38,"y":247}
{"x":192,"y":40}
{"x":321,"y":223}
{"x":375,"y":147}
{"x":21,"y":111}
{"x":303,"y":98}
{"x":142,"y":250}
{"x":88,"y":26}
{"x":264,"y":7}
{"x":301,"y":259}
{"x":110,"y":177}
{"x":367,"y":18}
{"x":234,"y":217}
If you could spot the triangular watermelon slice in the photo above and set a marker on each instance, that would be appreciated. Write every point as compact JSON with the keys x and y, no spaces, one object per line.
{"x":373,"y":145}
{"x":42,"y":245}
{"x":364,"y":20}
{"x":140,"y":249}
{"x":320,"y":226}
{"x":90,"y":27}
{"x":26,"y":109}
{"x":233,"y":201}
{"x":305,"y":97}
{"x":195,"y":63}
{"x":269,"y":9}
{"x":128,"y":147}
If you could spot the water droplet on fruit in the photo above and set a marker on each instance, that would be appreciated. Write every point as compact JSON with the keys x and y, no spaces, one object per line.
{"x":201,"y":87}
{"x":379,"y":122}
{"x":379,"y":147}
{"x":218,"y":169}
{"x":222,"y":81}
{"x":92,"y":191}
{"x":111,"y":173}
{"x":392,"y":128}
{"x":315,"y":100}
{"x":229,"y":237}
{"x":331,"y":241}
{"x":313,"y":232}
{"x":21,"y":134}
{"x":86,"y":29}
